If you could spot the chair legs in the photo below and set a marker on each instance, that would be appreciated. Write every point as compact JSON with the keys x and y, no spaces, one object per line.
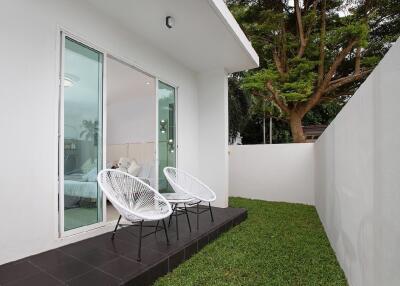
{"x":170,"y":217}
{"x":176,"y":221}
{"x":198,"y":212}
{"x":197,"y":215}
{"x":139,"y":258}
{"x":166,"y":231}
{"x":140,"y":237}
{"x":211,"y":213}
{"x":187,"y":217}
{"x":116,"y":227}
{"x":176,"y":212}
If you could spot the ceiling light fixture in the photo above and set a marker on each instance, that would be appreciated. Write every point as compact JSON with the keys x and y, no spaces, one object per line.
{"x":68,"y":82}
{"x":169,"y":22}
{"x":70,"y":79}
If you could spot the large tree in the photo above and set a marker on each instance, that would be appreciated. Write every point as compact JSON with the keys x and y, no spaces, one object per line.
{"x":309,"y":51}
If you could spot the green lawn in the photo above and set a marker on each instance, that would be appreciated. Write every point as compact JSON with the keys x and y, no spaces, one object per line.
{"x":278,"y":244}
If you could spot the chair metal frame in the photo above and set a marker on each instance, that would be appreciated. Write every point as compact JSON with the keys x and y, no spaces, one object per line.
{"x":206,"y":195}
{"x":123,"y":181}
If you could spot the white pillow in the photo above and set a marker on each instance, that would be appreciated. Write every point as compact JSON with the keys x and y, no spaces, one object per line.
{"x":134,"y":168}
{"x":90,"y":176}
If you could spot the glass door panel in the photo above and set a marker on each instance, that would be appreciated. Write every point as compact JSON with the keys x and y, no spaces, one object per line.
{"x":83,"y":93}
{"x":166,"y":133}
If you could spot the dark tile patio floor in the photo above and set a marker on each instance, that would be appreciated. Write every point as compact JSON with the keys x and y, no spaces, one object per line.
{"x":101,"y":261}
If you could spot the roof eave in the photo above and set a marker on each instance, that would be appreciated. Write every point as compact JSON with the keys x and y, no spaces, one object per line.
{"x":230,"y":22}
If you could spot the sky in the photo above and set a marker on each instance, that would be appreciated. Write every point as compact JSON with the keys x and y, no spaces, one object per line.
{"x":342,"y":13}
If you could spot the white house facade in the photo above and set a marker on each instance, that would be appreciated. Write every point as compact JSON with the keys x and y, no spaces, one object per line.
{"x":125,"y":63}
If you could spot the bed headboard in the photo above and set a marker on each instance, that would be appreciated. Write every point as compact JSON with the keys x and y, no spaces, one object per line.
{"x":143,"y":153}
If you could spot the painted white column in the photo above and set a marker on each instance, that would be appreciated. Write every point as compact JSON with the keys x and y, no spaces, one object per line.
{"x":213,"y":133}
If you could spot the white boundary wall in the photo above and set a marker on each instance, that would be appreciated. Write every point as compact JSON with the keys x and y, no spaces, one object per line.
{"x":358,"y":179}
{"x":277,"y":172}
{"x":355,"y":169}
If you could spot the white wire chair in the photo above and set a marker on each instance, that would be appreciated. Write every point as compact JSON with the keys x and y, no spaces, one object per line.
{"x":183,"y":182}
{"x":135,"y":201}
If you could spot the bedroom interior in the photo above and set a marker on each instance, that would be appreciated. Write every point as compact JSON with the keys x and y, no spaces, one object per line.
{"x":130,"y":131}
{"x":131,"y":123}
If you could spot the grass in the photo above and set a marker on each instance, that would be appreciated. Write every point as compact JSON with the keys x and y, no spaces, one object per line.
{"x":278,"y":244}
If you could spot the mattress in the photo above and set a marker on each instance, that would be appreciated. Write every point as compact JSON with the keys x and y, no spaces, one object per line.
{"x":81,"y":189}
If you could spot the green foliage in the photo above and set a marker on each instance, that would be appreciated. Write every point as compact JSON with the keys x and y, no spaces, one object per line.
{"x":349,"y":30}
{"x":323,"y":113}
{"x":374,"y":23}
{"x":296,"y":86}
{"x":278,"y":244}
{"x":239,"y":108}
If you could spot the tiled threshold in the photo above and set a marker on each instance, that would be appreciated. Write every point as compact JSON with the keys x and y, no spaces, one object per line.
{"x":101,"y":261}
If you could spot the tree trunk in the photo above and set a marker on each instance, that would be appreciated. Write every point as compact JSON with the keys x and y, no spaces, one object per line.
{"x":297,"y":128}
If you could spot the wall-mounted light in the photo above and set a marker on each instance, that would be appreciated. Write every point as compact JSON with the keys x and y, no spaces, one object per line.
{"x":163,"y":126}
{"x":170,"y":22}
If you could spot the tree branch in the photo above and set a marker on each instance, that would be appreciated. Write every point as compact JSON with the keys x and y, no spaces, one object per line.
{"x":278,"y":64}
{"x":322,"y":44}
{"x":334,"y":84}
{"x":300,"y":28}
{"x":284,"y":48}
{"x":327,"y":78}
{"x":357,"y":67}
{"x":309,"y":29}
{"x":276,"y":97}
{"x":336,"y":63}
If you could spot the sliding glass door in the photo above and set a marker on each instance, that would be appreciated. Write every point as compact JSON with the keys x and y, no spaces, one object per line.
{"x":81,"y":135}
{"x":166,"y":133}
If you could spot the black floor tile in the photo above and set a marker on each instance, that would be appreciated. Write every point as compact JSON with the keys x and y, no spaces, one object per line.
{"x":95,"y":278}
{"x":50,"y":259}
{"x":95,"y":257}
{"x":41,"y":279}
{"x":116,"y":245}
{"x":76,"y":249}
{"x":203,"y":241}
{"x":149,"y":275}
{"x":157,"y":271}
{"x":176,"y":259}
{"x":123,"y":268}
{"x":14,"y":271}
{"x":69,"y":270}
{"x":190,"y":250}
{"x":102,"y":261}
{"x":148,"y":256}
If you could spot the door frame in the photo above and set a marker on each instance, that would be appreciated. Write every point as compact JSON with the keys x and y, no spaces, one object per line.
{"x":62,"y":33}
{"x":176,"y":88}
{"x":61,"y":215}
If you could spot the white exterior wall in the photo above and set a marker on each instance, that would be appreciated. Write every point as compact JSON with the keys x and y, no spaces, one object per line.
{"x":29,"y":112}
{"x":277,"y":172}
{"x":213,"y":130}
{"x":357,"y":179}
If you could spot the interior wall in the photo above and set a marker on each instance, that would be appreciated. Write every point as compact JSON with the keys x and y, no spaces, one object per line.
{"x":272,"y":172}
{"x":213,"y":133}
{"x":29,"y":112}
{"x":357,"y":179}
{"x":131,"y":121}
{"x":131,"y":105}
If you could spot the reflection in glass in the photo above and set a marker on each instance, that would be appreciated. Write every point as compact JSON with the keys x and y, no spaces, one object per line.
{"x":166,"y":133}
{"x":83,"y":80}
